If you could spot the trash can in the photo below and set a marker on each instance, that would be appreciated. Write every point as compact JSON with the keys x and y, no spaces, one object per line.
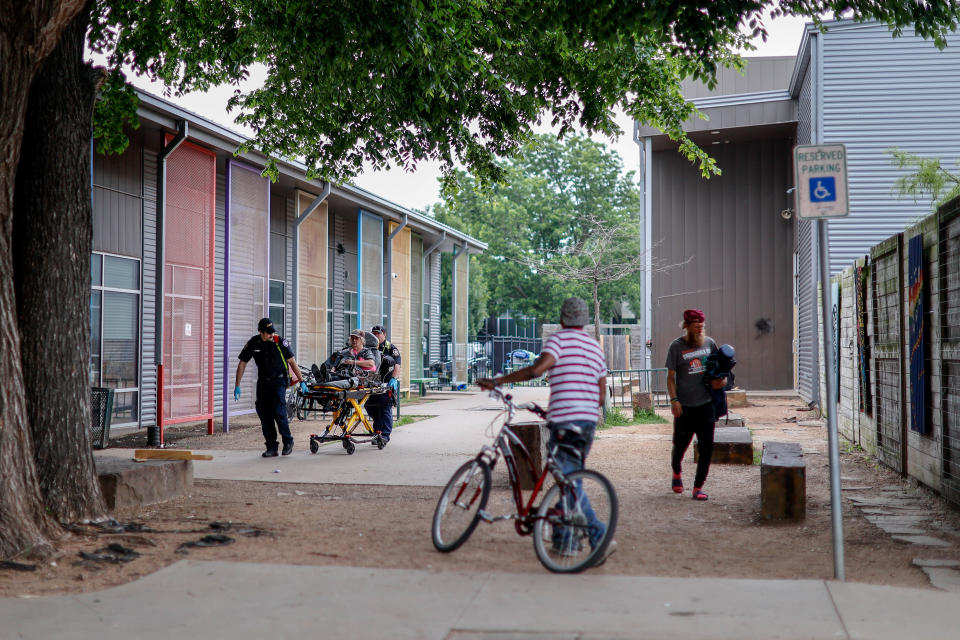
{"x":101,"y":409}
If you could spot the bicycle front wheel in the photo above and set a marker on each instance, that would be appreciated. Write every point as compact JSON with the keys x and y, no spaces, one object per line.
{"x":575,"y":522}
{"x":458,"y":510}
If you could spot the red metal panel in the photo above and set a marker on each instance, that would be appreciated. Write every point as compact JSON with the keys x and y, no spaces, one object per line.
{"x":188,"y":285}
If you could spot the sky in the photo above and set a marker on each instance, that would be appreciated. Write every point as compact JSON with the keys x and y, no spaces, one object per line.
{"x":420,"y":189}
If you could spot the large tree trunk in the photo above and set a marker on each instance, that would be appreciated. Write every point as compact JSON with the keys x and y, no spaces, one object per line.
{"x":52,"y":237}
{"x":29,"y":31}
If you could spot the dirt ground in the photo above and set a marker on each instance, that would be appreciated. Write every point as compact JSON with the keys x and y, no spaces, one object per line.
{"x":659,"y":533}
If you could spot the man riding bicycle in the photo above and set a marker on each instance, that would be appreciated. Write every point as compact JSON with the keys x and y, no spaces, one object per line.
{"x":578,"y":383}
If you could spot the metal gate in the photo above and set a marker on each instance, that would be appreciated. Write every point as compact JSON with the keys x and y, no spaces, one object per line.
{"x":949,"y":316}
{"x":188,"y":285}
{"x":888,"y":366}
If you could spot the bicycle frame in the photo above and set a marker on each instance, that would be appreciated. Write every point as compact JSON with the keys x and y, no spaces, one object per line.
{"x":523,"y":518}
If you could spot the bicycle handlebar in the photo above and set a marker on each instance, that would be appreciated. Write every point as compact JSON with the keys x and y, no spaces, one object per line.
{"x":507,"y":399}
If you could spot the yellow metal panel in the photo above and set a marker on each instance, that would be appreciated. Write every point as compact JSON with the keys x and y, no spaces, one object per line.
{"x":400,"y":301}
{"x":312,"y":288}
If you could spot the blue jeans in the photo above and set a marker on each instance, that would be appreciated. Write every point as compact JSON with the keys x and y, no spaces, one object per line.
{"x":380,"y":408}
{"x":571,"y":456}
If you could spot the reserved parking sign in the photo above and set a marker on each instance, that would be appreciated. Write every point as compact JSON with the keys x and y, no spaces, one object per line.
{"x":820,"y":171}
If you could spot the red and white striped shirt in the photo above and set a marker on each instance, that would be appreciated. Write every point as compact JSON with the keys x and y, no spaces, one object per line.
{"x":580,"y":364}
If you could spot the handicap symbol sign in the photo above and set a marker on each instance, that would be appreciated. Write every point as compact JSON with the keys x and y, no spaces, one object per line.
{"x":823,"y":189}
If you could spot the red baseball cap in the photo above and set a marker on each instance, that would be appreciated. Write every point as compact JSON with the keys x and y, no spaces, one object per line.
{"x":693,"y":315}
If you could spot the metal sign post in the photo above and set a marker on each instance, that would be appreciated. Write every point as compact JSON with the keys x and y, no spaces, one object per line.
{"x":821,"y":188}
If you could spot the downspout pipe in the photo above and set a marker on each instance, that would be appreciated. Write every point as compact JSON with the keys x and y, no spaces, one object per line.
{"x":155,"y":433}
{"x":389,"y":274}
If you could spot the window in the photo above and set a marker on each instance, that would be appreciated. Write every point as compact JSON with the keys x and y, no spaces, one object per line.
{"x":276,"y":305}
{"x":115,"y":332}
{"x":350,"y":319}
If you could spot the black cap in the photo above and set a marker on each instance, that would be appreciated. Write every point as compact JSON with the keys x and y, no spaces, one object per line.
{"x":265,"y":325}
{"x":377,"y":328}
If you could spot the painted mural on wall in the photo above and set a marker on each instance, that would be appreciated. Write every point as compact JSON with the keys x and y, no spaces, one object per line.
{"x":863,"y":346}
{"x":918,"y":378}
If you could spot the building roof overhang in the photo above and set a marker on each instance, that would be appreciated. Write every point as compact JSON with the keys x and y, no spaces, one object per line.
{"x":166,"y":116}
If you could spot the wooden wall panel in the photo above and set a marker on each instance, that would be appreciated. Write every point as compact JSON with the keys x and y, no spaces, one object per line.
{"x":400,"y":301}
{"x":312,"y":345}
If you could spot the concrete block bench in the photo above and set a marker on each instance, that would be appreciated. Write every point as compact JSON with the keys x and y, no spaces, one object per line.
{"x":783,"y":482}
{"x":731,"y":445}
{"x":736,"y":398}
{"x":126,"y":483}
{"x":534,"y":435}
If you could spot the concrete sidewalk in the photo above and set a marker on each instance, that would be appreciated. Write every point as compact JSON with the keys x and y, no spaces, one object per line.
{"x":424,"y":453}
{"x":236,"y":600}
{"x":194,"y":599}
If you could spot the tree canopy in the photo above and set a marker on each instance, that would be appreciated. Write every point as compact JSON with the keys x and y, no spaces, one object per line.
{"x":537,"y":225}
{"x":462,"y":82}
{"x":926,"y":177}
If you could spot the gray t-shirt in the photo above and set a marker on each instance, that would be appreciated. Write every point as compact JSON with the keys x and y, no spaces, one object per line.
{"x":688,"y":362}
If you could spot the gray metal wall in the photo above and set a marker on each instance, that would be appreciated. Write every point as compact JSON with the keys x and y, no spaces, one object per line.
{"x":805,"y":287}
{"x":739,"y":250}
{"x":118,"y":201}
{"x":148,"y":306}
{"x":879,"y":92}
{"x":768,"y":73}
{"x":219,"y":257}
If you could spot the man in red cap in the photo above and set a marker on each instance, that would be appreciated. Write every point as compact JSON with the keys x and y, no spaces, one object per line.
{"x":690,"y":400}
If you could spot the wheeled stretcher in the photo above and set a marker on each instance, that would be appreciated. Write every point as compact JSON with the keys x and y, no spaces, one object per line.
{"x":345,"y":399}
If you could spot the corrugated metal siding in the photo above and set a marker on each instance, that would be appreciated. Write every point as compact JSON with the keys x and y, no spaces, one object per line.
{"x":740,"y":249}
{"x":219,"y":253}
{"x":766,"y":73}
{"x":434,"y":275}
{"x":148,"y":318}
{"x":881,"y":92}
{"x":249,"y":268}
{"x":338,"y":281}
{"x":806,"y":286}
{"x":744,"y":115}
{"x":118,"y":201}
{"x":290,"y":287}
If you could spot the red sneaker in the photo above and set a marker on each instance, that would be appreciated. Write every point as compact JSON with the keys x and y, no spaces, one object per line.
{"x":677,"y":483}
{"x":698,"y":494}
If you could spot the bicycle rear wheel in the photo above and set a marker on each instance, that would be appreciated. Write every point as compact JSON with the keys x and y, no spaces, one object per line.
{"x":458,"y":510}
{"x":575,"y":522}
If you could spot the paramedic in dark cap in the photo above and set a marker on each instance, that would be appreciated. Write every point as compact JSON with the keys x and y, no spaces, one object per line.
{"x":276,"y":366}
{"x":380,"y":406}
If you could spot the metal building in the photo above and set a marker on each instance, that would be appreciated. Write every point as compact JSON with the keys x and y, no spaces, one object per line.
{"x":192,"y":246}
{"x":731,"y":245}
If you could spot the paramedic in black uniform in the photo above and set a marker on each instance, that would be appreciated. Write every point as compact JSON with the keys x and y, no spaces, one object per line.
{"x":275,"y":366}
{"x":380,"y":407}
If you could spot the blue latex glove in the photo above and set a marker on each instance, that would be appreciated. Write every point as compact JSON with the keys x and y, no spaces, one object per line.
{"x":236,"y":393}
{"x":394,"y":384}
{"x":303,"y":388}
